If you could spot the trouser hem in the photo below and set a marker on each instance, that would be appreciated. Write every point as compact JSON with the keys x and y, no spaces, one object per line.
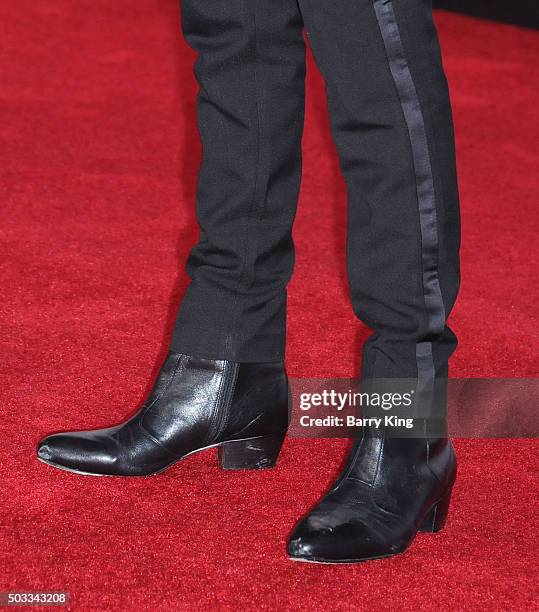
{"x":223,"y":345}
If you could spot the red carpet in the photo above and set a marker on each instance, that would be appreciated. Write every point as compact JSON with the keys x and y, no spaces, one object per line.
{"x":98,"y":158}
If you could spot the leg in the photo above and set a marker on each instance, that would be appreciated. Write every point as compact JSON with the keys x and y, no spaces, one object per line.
{"x":251,"y":71}
{"x":391,"y":121}
{"x":392,"y":125}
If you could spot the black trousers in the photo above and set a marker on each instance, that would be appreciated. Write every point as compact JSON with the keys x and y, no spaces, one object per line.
{"x":391,"y":121}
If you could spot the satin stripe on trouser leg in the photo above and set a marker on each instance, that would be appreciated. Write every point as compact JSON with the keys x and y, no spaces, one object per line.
{"x":391,"y":121}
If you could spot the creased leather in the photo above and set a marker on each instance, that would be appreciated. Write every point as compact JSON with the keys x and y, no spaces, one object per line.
{"x":194,"y":403}
{"x":378,"y":503}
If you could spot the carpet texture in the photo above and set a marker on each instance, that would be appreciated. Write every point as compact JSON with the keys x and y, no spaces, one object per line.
{"x":98,"y":160}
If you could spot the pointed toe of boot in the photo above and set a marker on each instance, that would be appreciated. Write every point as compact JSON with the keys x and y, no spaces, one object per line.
{"x":75,"y":452}
{"x":57,"y":450}
{"x":339,"y":545}
{"x":309,"y":548}
{"x":301,"y":545}
{"x":341,"y":534}
{"x":46,"y":450}
{"x":319,"y":543}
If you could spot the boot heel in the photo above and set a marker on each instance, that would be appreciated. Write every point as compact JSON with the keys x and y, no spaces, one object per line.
{"x":437,"y":516}
{"x":253,"y":454}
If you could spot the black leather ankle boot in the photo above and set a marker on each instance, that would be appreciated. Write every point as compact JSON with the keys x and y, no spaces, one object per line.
{"x":195,"y":404}
{"x":390,"y":489}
